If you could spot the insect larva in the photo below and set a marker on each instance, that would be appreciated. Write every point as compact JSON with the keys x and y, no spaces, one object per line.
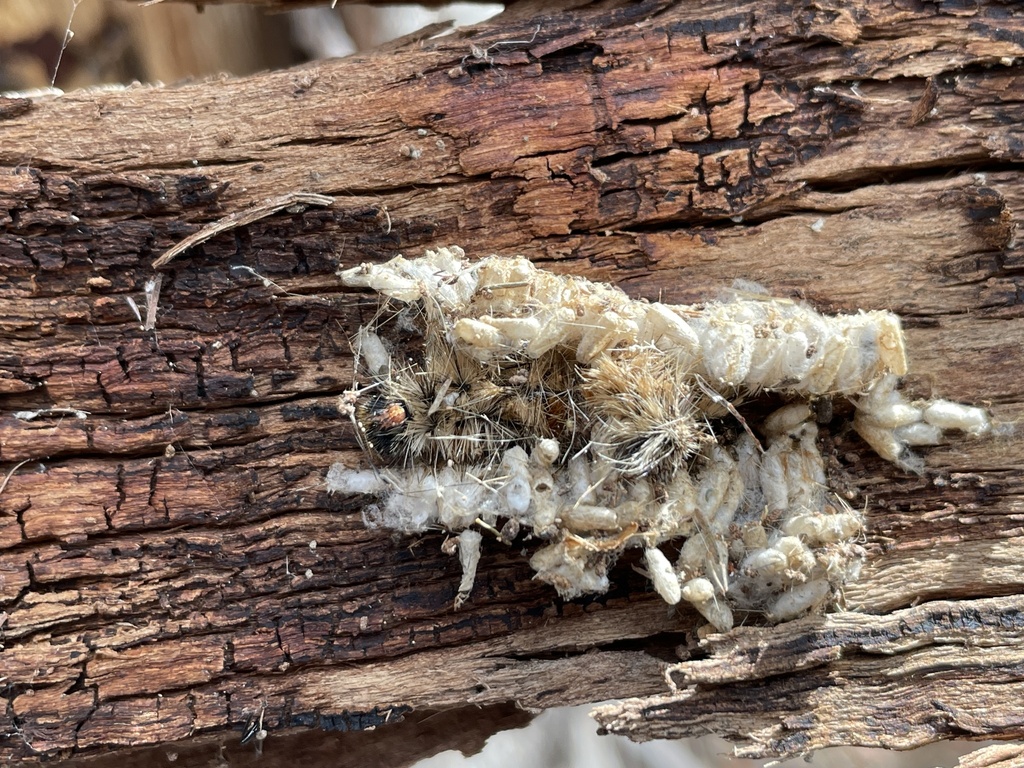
{"x":561,"y":407}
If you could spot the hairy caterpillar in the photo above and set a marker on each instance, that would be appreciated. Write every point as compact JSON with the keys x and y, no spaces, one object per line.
{"x":561,"y":406}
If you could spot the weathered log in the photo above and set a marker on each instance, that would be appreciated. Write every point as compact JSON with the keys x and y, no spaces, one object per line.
{"x":171,"y":568}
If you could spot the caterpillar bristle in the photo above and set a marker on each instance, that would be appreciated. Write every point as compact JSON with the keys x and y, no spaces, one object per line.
{"x":644,"y":419}
{"x":598,"y":423}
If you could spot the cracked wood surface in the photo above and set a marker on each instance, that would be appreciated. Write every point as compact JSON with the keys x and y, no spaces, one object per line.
{"x":170,"y":565}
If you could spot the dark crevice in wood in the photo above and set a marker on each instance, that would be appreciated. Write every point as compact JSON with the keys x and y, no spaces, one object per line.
{"x":158,"y":561}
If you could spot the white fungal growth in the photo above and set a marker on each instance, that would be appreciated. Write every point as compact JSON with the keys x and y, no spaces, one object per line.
{"x":663,"y":575}
{"x":946,"y":415}
{"x":372,"y":352}
{"x":469,"y":558}
{"x":595,"y":423}
{"x":890,"y":424}
{"x":701,"y":594}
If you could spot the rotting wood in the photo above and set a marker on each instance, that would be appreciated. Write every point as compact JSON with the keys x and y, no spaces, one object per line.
{"x":995,"y":756}
{"x":295,"y":201}
{"x":170,"y":566}
{"x":939,"y":670}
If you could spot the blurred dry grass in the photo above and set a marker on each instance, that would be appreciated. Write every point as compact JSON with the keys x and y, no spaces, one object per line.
{"x":114,"y":41}
{"x":118,"y":42}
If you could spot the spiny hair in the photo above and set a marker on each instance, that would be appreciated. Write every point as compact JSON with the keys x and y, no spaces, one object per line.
{"x":444,"y":416}
{"x":538,"y":395}
{"x":453,"y":408}
{"x":644,"y":419}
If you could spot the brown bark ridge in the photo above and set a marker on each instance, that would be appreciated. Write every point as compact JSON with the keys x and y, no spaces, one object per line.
{"x":172,"y":572}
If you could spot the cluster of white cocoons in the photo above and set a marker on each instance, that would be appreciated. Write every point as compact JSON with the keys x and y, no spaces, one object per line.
{"x":731,"y":526}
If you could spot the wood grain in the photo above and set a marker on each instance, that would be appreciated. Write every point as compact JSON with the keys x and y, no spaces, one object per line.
{"x":159,"y":582}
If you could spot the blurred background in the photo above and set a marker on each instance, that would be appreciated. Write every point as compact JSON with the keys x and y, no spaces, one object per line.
{"x":116,"y":42}
{"x":567,"y":738}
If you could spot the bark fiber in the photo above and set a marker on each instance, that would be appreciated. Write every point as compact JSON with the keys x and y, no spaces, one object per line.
{"x":160,"y":586}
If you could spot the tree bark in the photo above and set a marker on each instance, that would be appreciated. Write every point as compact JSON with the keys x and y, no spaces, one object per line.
{"x":171,"y":567}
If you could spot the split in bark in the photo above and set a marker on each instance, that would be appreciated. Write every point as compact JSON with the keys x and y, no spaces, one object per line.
{"x":170,"y":566}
